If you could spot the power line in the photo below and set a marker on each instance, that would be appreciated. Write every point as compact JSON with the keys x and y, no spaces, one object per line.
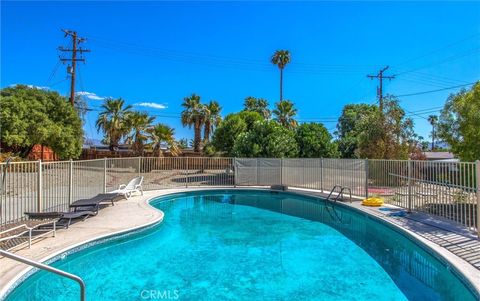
{"x":448,"y":59}
{"x":431,"y":80}
{"x":418,"y":115}
{"x":58,"y":82}
{"x":438,"y":49}
{"x":52,"y":74}
{"x":422,"y":111}
{"x":425,"y":83}
{"x":437,"y":90}
{"x":439,"y":78}
{"x":190,"y":55}
{"x":223,"y":61}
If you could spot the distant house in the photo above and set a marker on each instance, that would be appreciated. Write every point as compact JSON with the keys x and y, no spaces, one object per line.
{"x":440,"y":156}
{"x":41,"y":152}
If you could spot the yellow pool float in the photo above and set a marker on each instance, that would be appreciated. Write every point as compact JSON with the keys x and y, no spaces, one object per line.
{"x":373,"y":202}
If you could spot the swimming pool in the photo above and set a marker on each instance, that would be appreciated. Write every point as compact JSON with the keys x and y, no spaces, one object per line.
{"x":249,"y":245}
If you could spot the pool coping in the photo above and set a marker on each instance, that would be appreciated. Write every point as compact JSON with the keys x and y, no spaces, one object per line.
{"x":464,"y":270}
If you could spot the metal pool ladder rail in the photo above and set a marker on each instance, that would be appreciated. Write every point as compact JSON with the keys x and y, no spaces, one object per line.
{"x":330,"y":206}
{"x":340,"y":193}
{"x":49,"y":269}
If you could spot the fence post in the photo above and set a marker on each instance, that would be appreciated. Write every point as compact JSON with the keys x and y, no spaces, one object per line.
{"x":409,"y":179}
{"x":235,"y":172}
{"x":186,"y":174}
{"x":281,"y":171}
{"x":139,"y":166}
{"x":321,"y":174}
{"x":105,"y":175}
{"x":256,"y":172}
{"x":477,"y":165}
{"x":70,"y":182}
{"x":366,"y":178}
{"x":39,"y":186}
{"x":304,"y":184}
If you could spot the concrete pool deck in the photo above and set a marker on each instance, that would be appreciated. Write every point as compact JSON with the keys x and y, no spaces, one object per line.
{"x":136,"y":213}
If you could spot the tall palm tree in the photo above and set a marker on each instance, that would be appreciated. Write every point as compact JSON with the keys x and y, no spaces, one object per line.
{"x":162,"y":133}
{"x":112,"y":121}
{"x":194,"y":115}
{"x":284,"y":113}
{"x":433,"y":119}
{"x":281,"y":58}
{"x":212,"y":118}
{"x":258,"y":105}
{"x":138,"y":124}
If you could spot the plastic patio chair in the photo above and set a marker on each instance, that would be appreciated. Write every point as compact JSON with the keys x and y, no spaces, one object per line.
{"x":135,"y":185}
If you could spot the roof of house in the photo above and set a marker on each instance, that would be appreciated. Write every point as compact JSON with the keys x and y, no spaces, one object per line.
{"x":439,"y":155}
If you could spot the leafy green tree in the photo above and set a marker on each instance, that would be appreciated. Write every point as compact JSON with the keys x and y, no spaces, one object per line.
{"x":348,"y":127}
{"x":258,"y":105}
{"x":210,"y":151}
{"x":314,"y":141}
{"x":250,"y":118}
{"x":30,"y":116}
{"x":433,"y":120}
{"x":266,"y":139}
{"x":194,"y":114}
{"x":281,"y":58}
{"x":284,"y":113}
{"x":459,"y":123}
{"x":231,"y":127}
{"x":212,"y":118}
{"x":112,"y":121}
{"x":387,"y":134}
{"x":138,"y":124}
{"x":162,"y":133}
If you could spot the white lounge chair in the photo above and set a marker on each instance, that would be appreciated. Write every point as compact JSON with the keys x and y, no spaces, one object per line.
{"x":135,"y":185}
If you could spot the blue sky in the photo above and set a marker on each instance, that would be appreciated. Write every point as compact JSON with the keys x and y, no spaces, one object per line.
{"x":160,"y":52}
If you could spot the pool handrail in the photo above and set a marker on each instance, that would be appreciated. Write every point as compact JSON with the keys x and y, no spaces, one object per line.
{"x":47,"y":268}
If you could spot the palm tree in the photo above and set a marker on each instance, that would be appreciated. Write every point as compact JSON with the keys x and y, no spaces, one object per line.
{"x":194,"y":115}
{"x":258,"y":105}
{"x":183,"y":143}
{"x":212,"y":118}
{"x":284,"y":113}
{"x":138,"y":124}
{"x":112,"y":121}
{"x":281,"y":58}
{"x":433,"y":119}
{"x":162,"y":133}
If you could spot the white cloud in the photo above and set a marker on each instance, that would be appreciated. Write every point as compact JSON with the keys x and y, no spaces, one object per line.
{"x":153,"y":105}
{"x":90,"y":95}
{"x":32,"y":86}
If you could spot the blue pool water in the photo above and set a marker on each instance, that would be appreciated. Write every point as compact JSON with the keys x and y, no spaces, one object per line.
{"x":252,"y":245}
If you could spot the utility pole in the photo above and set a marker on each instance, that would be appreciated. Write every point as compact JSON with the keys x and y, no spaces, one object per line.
{"x":74,"y":50}
{"x":380,"y":77}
